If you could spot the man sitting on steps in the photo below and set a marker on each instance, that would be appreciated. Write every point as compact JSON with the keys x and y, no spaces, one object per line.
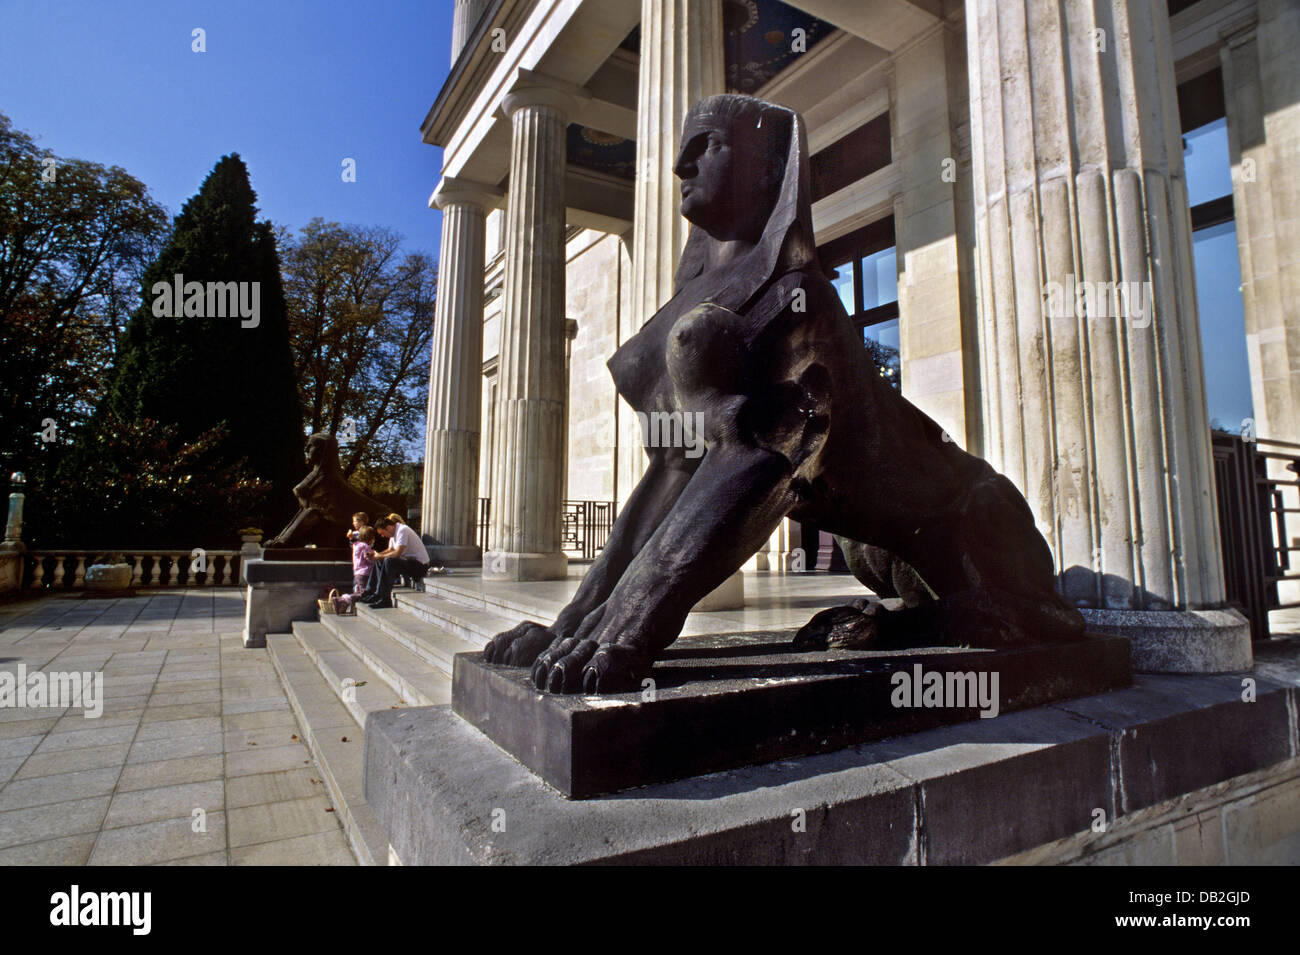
{"x":405,"y":555}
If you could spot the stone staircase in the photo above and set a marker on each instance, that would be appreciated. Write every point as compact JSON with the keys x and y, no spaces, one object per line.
{"x":342,"y":668}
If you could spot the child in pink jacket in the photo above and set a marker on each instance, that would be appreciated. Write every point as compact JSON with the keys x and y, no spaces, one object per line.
{"x":363,"y":559}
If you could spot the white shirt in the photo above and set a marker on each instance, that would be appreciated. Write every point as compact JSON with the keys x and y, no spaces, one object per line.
{"x":410,"y":543}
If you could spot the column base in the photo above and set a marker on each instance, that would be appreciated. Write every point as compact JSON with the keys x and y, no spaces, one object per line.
{"x":729,"y":595}
{"x":507,"y":565}
{"x":1179,"y":641}
{"x":453,"y":555}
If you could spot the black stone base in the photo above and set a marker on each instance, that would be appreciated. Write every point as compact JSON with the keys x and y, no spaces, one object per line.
{"x":717,"y":703}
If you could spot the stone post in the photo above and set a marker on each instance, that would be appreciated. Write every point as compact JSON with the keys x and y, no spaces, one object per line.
{"x":1095,"y":403}
{"x":528,"y":465}
{"x":12,"y":550}
{"x":449,"y":498}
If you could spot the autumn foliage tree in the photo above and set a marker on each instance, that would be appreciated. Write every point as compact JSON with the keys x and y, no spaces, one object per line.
{"x":361,"y":323}
{"x":75,"y":237}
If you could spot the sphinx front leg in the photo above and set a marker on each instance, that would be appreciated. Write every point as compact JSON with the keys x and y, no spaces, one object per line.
{"x":299,"y":527}
{"x":653,"y":498}
{"x":730,"y":507}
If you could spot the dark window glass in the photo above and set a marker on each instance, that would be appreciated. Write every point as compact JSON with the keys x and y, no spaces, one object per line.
{"x":863,"y":267}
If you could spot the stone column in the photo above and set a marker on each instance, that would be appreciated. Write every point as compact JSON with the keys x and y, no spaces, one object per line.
{"x":528,"y":465}
{"x":449,"y":502}
{"x":463,"y":21}
{"x":681,"y":64}
{"x":1262,"y":96}
{"x":12,"y":548}
{"x":1095,"y":408}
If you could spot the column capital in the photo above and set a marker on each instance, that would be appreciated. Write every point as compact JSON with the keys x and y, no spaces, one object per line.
{"x":537,"y":89}
{"x":451,"y":190}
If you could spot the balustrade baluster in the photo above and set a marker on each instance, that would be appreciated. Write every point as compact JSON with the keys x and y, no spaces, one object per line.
{"x":174,"y":574}
{"x":137,"y":569}
{"x":60,"y":570}
{"x":79,"y":572}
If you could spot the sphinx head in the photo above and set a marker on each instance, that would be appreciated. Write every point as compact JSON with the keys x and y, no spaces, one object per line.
{"x":323,"y":450}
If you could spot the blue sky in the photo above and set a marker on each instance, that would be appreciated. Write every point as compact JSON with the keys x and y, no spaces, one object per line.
{"x":293,"y":86}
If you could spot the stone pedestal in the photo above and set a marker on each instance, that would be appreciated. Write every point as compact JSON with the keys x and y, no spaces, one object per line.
{"x":1171,"y":641}
{"x":1094,"y":402}
{"x":527,"y":470}
{"x":280,"y":592}
{"x":449,"y":499}
{"x":716,"y":703}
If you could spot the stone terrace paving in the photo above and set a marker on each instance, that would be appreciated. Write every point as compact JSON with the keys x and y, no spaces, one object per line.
{"x":191,"y":720}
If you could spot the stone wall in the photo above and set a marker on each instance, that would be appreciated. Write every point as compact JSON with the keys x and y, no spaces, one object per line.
{"x":599,"y":269}
{"x":1247,"y":820}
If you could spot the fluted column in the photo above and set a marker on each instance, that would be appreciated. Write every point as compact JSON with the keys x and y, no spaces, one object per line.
{"x":681,"y":64}
{"x":528,"y":465}
{"x":1097,"y":413}
{"x":465,"y":17}
{"x":449,"y":502}
{"x":1262,"y":93}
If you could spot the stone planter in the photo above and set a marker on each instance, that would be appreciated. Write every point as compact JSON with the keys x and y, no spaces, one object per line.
{"x":108,"y":577}
{"x":251,"y":538}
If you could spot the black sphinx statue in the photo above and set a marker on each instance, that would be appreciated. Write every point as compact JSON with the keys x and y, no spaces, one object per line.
{"x":326,"y":501}
{"x":797,"y":421}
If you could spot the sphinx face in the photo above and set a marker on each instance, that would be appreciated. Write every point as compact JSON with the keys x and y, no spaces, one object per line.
{"x":706,"y":167}
{"x":725,"y":174}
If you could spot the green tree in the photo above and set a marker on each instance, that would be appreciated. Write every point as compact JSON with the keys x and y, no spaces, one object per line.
{"x":361,"y":315}
{"x":223,"y":383}
{"x":149,"y":485}
{"x":75,"y":237}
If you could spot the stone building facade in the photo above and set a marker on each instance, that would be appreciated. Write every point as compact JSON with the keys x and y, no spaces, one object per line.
{"x":1006,"y":197}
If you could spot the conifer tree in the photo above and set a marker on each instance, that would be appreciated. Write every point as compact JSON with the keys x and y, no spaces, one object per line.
{"x":217,"y":355}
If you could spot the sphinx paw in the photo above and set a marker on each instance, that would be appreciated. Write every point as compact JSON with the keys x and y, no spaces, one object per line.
{"x":852,"y":627}
{"x":559,"y":669}
{"x":518,"y":646}
{"x":615,"y":668}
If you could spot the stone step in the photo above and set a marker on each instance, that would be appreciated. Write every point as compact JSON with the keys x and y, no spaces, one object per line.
{"x":415,"y":680}
{"x":429,"y":641}
{"x":338,"y":664}
{"x":504,"y":600}
{"x":472,"y":624}
{"x":324,"y":723}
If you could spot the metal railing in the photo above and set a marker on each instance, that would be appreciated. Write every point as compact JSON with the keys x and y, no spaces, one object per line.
{"x":61,"y":569}
{"x":1252,"y":523}
{"x":584,"y":526}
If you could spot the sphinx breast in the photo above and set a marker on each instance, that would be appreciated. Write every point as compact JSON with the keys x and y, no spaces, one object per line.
{"x":705,"y":351}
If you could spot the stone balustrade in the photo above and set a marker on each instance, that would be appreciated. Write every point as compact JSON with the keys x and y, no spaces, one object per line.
{"x":62,"y":569}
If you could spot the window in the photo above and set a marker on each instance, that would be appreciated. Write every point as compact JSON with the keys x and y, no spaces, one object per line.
{"x":863,"y":267}
{"x":1214,"y":250}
